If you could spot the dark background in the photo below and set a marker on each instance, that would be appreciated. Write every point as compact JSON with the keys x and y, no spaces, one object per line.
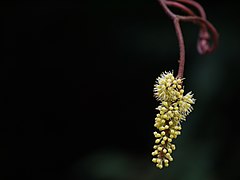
{"x":77,"y":81}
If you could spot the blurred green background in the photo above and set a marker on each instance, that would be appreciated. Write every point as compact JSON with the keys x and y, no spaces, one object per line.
{"x":78,"y":91}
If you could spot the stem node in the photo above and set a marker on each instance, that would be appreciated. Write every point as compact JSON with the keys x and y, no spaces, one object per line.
{"x":203,"y":45}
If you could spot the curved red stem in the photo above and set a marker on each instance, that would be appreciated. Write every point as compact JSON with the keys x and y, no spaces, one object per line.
{"x":180,"y":6}
{"x":209,"y":26}
{"x":195,"y":5}
{"x":203,"y":44}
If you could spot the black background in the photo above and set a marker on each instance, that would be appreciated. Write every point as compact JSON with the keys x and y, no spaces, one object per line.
{"x":77,"y":80}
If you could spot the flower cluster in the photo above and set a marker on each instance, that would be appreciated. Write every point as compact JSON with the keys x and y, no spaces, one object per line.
{"x":174,"y":108}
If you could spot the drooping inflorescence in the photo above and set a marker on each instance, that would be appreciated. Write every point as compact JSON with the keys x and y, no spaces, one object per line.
{"x":174,"y":105}
{"x":173,"y":109}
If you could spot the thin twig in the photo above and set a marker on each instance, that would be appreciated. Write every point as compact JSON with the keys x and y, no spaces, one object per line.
{"x":203,"y":44}
{"x":210,"y":27}
{"x":196,"y":5}
{"x":181,"y":47}
{"x":180,"y":6}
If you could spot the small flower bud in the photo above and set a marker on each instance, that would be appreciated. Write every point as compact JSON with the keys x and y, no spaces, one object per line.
{"x":166,"y":161}
{"x":154,"y":160}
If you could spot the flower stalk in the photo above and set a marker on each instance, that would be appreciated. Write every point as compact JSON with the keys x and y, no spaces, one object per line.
{"x":174,"y":104}
{"x":206,"y":33}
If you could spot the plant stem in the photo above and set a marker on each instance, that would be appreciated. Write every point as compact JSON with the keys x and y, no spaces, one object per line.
{"x":181,"y":47}
{"x":203,"y":45}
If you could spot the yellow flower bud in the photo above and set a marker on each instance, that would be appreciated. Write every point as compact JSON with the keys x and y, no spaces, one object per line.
{"x":165,"y":116}
{"x":154,"y":160}
{"x":166,"y":161}
{"x":163,"y":133}
{"x":165,"y":103}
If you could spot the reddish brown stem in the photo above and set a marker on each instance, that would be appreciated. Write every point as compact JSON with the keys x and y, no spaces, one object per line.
{"x":209,"y":26}
{"x":181,"y":47}
{"x":195,"y":5}
{"x":163,"y":3}
{"x":203,"y":42}
{"x":180,"y":6}
{"x":204,"y":36}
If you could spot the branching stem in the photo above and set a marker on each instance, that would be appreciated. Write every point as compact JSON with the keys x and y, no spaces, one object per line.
{"x":207,"y":30}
